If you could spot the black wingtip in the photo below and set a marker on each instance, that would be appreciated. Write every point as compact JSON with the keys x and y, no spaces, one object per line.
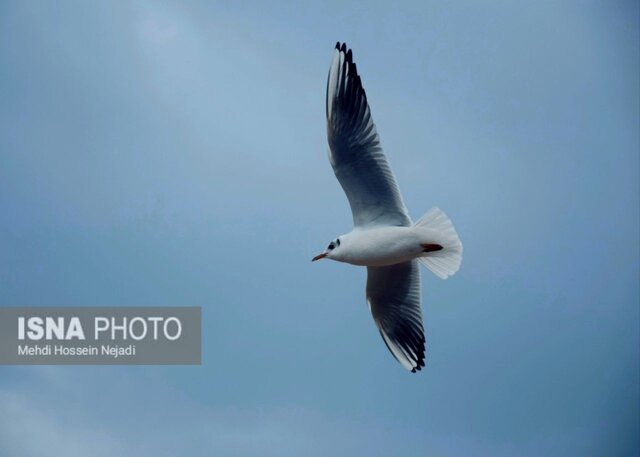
{"x":342,"y":47}
{"x":418,"y":367}
{"x":420,"y":362}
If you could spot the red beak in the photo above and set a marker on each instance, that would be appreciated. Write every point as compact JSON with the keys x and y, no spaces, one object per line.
{"x":319,"y":256}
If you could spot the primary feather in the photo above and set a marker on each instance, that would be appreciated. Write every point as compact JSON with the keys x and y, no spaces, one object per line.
{"x":355,"y":152}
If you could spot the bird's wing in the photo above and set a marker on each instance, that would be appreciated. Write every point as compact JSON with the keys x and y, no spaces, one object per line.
{"x":393,"y":294}
{"x":355,"y":152}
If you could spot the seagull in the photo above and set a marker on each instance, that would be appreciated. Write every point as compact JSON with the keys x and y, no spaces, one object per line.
{"x":383,"y":239}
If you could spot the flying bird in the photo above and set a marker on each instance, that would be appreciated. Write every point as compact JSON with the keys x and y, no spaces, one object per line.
{"x":384,"y":238}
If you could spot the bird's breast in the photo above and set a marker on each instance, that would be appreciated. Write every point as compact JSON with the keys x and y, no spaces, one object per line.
{"x":382,"y":246}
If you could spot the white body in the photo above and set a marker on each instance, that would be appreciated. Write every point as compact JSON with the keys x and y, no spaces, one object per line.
{"x":382,"y":246}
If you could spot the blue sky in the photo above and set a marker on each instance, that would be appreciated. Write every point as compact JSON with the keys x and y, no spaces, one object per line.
{"x":165,"y":153}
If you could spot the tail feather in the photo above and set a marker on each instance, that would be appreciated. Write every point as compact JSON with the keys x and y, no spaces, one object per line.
{"x":444,"y":262}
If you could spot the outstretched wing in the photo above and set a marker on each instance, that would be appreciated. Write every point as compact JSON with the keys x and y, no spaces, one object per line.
{"x":393,"y":294}
{"x":355,"y":152}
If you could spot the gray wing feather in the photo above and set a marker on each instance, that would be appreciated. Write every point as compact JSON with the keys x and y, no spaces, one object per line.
{"x":393,"y":294}
{"x":355,"y":152}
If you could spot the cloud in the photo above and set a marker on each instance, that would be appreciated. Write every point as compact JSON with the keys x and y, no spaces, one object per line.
{"x":111,"y":411}
{"x":31,"y":428}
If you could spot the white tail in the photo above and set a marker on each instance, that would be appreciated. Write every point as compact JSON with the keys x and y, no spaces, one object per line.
{"x":446,"y":261}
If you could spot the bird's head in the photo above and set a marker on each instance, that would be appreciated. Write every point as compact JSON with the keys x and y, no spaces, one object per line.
{"x":331,"y":252}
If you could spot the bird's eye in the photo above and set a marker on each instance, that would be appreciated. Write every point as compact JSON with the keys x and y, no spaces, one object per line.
{"x":331,"y":246}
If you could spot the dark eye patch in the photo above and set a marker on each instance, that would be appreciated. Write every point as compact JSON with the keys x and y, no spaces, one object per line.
{"x":338,"y":241}
{"x":331,"y":246}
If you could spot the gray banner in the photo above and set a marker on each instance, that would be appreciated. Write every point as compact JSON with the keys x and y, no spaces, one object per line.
{"x":100,"y":336}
